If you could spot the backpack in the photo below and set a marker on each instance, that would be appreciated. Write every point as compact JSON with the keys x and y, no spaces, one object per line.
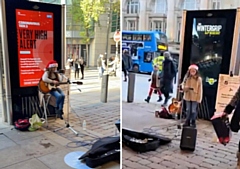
{"x":22,"y":124}
{"x":104,"y":150}
{"x":163,"y":113}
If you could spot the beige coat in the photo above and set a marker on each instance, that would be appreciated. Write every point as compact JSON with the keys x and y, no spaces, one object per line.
{"x":156,"y":77}
{"x":196,"y":93}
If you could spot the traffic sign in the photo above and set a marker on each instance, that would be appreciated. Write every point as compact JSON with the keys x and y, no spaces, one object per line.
{"x":117,"y":36}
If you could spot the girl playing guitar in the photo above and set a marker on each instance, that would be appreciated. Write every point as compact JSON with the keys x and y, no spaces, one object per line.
{"x":51,"y":76}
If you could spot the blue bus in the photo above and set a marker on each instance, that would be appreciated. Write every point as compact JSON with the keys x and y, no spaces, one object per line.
{"x":143,"y":47}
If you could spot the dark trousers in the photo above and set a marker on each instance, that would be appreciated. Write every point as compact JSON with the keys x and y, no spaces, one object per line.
{"x":76,"y":73}
{"x":82,"y":70}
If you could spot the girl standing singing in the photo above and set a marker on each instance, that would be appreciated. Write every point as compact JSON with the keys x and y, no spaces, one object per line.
{"x":192,"y":88}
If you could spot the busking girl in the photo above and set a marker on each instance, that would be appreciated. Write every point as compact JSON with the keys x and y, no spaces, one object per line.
{"x":155,"y":84}
{"x":192,"y":90}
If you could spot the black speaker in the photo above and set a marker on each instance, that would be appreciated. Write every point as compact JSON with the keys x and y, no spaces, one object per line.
{"x":188,"y":139}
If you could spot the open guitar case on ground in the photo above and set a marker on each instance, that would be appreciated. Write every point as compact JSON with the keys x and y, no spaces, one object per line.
{"x":104,"y":150}
{"x":142,"y":142}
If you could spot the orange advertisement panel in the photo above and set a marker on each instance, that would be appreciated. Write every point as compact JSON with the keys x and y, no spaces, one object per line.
{"x":35,"y":44}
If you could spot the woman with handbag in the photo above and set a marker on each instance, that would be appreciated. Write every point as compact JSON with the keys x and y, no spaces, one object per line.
{"x":82,"y":65}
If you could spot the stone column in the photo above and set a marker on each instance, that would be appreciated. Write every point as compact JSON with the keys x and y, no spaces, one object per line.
{"x":203,"y":4}
{"x":142,"y":24}
{"x":171,"y":28}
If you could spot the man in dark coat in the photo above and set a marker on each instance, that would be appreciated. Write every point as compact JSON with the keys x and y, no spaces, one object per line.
{"x":167,"y":76}
{"x":126,"y":63}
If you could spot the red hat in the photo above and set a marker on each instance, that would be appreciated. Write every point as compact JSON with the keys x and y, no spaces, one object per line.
{"x":193,"y":66}
{"x":52,"y":64}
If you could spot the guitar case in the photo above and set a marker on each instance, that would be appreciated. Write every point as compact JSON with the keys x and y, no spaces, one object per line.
{"x":142,"y":142}
{"x":103,"y":151}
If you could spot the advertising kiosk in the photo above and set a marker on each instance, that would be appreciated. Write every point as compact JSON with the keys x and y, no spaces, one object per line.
{"x":32,"y":34}
{"x":210,"y":40}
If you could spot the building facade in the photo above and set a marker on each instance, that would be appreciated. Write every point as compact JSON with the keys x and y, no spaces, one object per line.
{"x":165,"y":15}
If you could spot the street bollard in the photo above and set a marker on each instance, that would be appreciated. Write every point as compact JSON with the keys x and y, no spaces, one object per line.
{"x":131,"y":87}
{"x":104,"y":88}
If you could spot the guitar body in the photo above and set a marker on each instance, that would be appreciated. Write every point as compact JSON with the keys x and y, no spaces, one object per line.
{"x":175,"y":107}
{"x":44,"y":87}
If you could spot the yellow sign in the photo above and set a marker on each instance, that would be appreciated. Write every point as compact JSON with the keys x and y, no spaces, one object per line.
{"x":162,"y":47}
{"x":211,"y":81}
{"x":227,"y":87}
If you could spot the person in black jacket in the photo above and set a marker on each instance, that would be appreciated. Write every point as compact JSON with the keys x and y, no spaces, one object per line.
{"x":167,"y":76}
{"x":234,"y":104}
{"x":126,"y":63}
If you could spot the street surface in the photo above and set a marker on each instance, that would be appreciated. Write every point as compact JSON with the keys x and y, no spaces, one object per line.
{"x":45,"y":149}
{"x":208,"y":154}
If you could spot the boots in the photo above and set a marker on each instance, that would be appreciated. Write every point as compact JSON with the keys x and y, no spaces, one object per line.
{"x":193,"y":123}
{"x":147,"y":99}
{"x":59,"y":113}
{"x":160,"y":99}
{"x":187,"y":123}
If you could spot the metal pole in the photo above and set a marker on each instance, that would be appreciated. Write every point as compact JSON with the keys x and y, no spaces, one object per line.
{"x":63,"y":36}
{"x":6,"y":66}
{"x":104,"y":88}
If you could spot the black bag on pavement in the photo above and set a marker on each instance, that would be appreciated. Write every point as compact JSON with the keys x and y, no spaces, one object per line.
{"x":188,"y":139}
{"x":103,"y":151}
{"x":142,"y":142}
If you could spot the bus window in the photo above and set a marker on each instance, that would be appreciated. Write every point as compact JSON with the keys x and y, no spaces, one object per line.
{"x":135,"y":37}
{"x":163,"y":38}
{"x":129,"y":37}
{"x":124,"y":37}
{"x":140,"y":38}
{"x":148,"y":57}
{"x":147,"y":37}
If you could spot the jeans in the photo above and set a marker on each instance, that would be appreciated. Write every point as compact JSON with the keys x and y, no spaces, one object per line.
{"x":100,"y":71}
{"x":59,"y":95}
{"x":191,"y":110}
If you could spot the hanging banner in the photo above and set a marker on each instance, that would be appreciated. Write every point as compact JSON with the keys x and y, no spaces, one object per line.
{"x":35,"y":44}
{"x":227,"y":87}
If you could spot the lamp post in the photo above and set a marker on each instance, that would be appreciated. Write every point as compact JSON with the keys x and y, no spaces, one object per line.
{"x":104,"y":89}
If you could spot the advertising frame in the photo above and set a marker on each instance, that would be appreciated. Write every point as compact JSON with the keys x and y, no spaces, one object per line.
{"x":186,"y":41}
{"x":15,"y":93}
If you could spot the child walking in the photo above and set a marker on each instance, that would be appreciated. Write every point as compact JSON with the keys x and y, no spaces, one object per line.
{"x":192,"y":89}
{"x":155,"y":84}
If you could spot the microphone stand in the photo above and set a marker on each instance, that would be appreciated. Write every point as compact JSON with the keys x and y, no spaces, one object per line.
{"x":67,"y":120}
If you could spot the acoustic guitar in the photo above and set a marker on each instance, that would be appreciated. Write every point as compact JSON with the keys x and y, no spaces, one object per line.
{"x":47,"y":87}
{"x":175,"y":107}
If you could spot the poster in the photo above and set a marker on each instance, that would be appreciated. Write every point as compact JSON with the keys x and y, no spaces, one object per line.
{"x":35,"y":44}
{"x":227,"y":87}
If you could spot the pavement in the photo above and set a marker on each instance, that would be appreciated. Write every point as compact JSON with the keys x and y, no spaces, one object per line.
{"x":45,"y":149}
{"x":209,"y":154}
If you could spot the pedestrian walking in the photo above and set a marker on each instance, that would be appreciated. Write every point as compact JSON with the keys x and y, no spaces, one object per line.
{"x":167,"y":76}
{"x":126,"y":63}
{"x":82,"y":65}
{"x":155,"y":84}
{"x":77,"y":67}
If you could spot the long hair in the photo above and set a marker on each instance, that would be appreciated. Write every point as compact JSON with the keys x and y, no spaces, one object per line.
{"x":188,"y":75}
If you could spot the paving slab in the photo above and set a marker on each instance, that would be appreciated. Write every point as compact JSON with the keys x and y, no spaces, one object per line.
{"x":32,"y":163}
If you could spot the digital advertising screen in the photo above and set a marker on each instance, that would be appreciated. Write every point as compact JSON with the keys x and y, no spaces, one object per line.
{"x":207,"y":48}
{"x":35,"y":44}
